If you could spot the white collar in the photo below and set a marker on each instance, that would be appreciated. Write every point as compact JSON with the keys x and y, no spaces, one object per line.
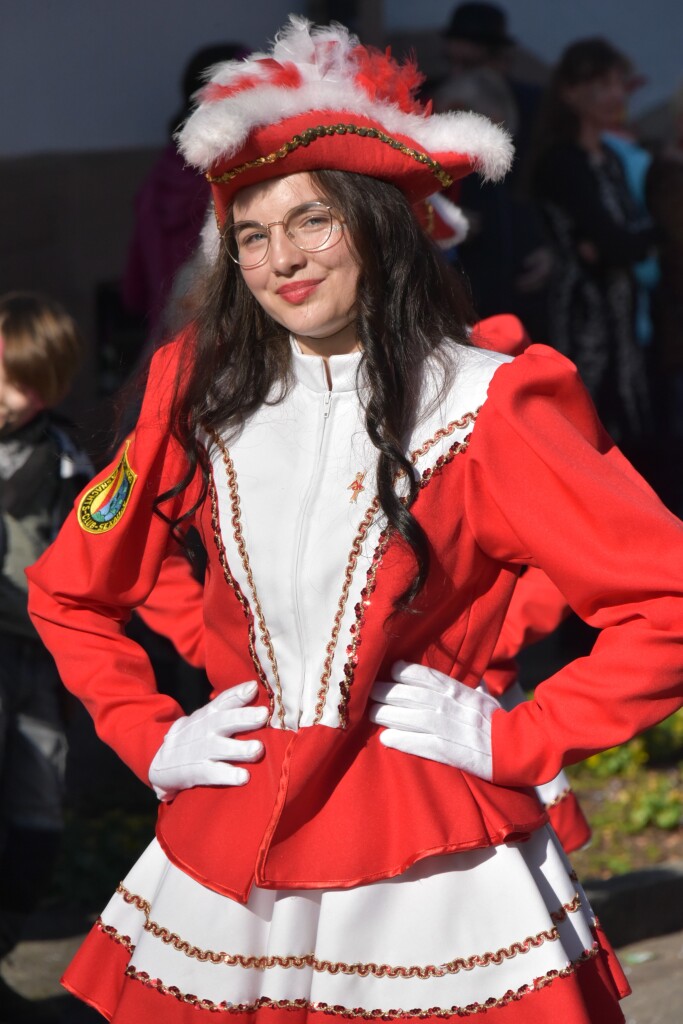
{"x":309,"y":370}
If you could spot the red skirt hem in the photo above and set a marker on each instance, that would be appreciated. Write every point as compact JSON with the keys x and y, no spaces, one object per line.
{"x":586,"y":992}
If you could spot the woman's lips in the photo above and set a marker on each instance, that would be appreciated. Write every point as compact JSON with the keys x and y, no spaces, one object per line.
{"x":297,"y":291}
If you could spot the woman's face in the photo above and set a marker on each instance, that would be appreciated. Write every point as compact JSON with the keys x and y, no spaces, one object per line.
{"x":312,"y":294}
{"x":601,"y":101}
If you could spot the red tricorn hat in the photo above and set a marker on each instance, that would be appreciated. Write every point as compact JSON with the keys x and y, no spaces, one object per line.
{"x":320,"y":100}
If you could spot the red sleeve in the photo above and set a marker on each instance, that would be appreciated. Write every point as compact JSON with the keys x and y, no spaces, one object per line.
{"x":104,"y":563}
{"x":175,"y":609}
{"x":536,"y":610}
{"x":547,"y":487}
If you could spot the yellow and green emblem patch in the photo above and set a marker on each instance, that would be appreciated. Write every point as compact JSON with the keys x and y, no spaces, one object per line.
{"x":104,"y":504}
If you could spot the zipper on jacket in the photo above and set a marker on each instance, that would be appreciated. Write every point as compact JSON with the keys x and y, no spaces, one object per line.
{"x":312,"y":489}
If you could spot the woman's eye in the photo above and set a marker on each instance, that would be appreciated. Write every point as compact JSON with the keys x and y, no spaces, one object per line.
{"x":313,"y":222}
{"x":252,"y":239}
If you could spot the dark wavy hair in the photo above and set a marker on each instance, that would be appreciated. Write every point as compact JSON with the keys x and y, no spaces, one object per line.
{"x":409,"y":304}
{"x":586,"y":60}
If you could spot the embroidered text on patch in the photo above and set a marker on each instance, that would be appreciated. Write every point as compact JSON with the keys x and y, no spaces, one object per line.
{"x":104,"y":504}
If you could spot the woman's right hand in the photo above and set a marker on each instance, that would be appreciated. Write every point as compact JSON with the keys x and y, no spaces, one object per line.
{"x":199,"y":748}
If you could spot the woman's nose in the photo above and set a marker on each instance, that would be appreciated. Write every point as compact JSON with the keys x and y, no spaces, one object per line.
{"x":283,"y":254}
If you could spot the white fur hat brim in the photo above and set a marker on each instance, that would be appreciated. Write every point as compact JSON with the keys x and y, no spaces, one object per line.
{"x":319,"y":78}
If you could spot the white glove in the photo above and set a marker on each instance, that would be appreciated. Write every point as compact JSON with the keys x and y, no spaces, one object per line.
{"x":196,"y":748}
{"x":428,"y":714}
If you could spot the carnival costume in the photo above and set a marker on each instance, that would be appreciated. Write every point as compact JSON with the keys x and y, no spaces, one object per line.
{"x":348,"y":879}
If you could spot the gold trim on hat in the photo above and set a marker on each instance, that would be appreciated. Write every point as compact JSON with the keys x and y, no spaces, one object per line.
{"x":320,"y":131}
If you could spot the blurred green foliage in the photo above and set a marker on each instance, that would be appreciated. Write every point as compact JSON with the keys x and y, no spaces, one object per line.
{"x":633,"y":798}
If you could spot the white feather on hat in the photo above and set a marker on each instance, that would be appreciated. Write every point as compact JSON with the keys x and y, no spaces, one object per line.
{"x":326,"y":69}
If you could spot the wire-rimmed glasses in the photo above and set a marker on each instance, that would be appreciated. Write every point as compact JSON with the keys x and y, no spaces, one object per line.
{"x":310,"y":226}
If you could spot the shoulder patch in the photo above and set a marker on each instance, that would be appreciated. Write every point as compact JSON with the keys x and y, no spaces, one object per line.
{"x":102,"y":507}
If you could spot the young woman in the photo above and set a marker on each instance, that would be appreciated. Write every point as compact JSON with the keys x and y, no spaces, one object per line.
{"x":346,"y":829}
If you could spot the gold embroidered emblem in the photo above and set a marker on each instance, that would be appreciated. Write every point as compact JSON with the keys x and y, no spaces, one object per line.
{"x":103,"y":505}
{"x":356,"y":487}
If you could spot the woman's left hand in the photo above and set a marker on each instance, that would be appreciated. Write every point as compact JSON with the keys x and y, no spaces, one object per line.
{"x":428,"y":714}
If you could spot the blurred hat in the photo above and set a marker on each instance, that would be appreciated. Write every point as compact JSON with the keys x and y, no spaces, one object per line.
{"x":321,"y":100}
{"x":479,"y":23}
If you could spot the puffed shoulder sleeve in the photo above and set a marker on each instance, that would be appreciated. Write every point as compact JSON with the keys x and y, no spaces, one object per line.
{"x":546,"y":486}
{"x":105,"y":562}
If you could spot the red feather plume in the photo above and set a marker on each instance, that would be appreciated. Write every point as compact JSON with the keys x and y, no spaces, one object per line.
{"x":383,"y":78}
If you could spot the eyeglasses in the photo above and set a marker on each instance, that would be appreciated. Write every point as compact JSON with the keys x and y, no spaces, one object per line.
{"x":311,"y":227}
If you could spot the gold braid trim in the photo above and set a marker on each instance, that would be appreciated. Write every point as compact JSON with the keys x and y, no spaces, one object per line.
{"x":351,"y":564}
{"x":242,"y":550}
{"x":355,"y":628}
{"x":362,"y":970}
{"x":360,"y":609}
{"x":559,"y":798}
{"x":464,"y":421}
{"x":234,"y":585}
{"x":264,"y":1002}
{"x":567,"y":908}
{"x":309,"y":135}
{"x":111,"y":933}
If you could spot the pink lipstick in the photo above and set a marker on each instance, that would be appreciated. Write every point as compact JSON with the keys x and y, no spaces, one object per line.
{"x":297,"y":292}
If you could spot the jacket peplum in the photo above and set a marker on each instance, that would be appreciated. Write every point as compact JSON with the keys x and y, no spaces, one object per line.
{"x":513,"y":468}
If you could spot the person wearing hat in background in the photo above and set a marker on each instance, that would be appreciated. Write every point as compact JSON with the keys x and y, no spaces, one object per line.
{"x":477,"y":37}
{"x":347,"y":828}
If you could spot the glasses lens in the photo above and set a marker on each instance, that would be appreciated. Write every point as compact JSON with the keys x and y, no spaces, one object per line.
{"x":247,"y":243}
{"x":310,"y":226}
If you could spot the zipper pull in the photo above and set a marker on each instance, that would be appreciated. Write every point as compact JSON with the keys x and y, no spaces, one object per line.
{"x":326,"y":404}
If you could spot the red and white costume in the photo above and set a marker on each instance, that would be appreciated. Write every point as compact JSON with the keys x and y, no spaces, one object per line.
{"x":175,"y":609}
{"x":316,"y":888}
{"x":346,"y":879}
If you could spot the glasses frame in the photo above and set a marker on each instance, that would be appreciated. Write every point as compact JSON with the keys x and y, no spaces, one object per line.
{"x":275,"y":223}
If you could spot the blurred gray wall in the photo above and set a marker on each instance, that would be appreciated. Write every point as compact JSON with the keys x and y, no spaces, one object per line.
{"x":103,"y":74}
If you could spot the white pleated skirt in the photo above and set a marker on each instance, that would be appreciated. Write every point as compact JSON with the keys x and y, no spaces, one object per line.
{"x":455,"y":935}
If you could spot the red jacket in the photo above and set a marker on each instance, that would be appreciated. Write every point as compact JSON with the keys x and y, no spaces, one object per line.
{"x":536,"y":482}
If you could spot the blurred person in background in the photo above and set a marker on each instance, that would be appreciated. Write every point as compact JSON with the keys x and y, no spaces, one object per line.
{"x":635,"y":160}
{"x":476,"y":38}
{"x":665,"y":200}
{"x":597,"y":231}
{"x":170,"y":209}
{"x":41,"y":472}
{"x":506,"y":254}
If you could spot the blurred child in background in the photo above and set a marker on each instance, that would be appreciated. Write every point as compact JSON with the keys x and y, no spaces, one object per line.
{"x":41,"y":472}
